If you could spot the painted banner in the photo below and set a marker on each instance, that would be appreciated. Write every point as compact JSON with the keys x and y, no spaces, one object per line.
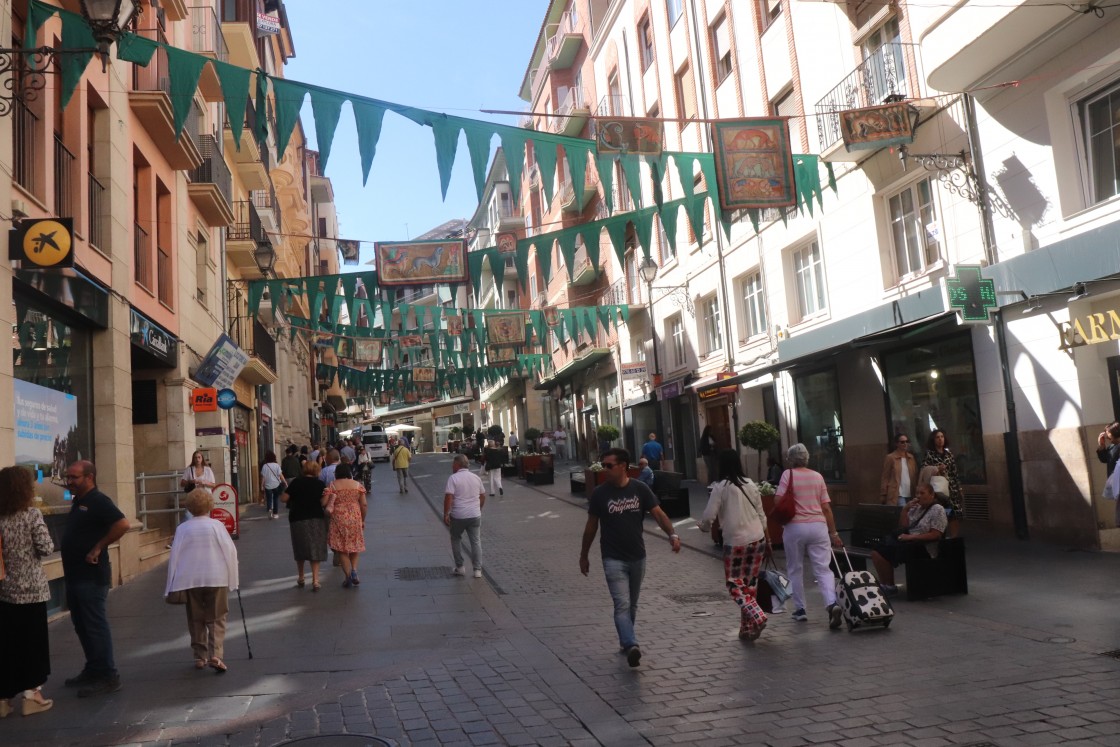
{"x":633,"y":135}
{"x":222,"y":364}
{"x":367,"y":351}
{"x":454,"y":325}
{"x":754,"y":165}
{"x":410,"y":341}
{"x":507,"y":243}
{"x":349,"y":249}
{"x":500,"y":356}
{"x":420,"y":262}
{"x":46,"y":424}
{"x":876,"y":127}
{"x":423,"y":374}
{"x":551,"y":316}
{"x":506,"y":329}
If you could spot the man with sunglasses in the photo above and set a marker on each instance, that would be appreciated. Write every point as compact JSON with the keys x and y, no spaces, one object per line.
{"x":620,"y":505}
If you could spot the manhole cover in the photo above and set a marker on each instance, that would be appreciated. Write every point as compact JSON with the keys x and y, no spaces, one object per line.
{"x":708,"y":596}
{"x":422,"y":573}
{"x":338,"y":740}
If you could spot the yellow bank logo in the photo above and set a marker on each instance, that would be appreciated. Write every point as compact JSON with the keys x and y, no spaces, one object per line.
{"x":45,"y":242}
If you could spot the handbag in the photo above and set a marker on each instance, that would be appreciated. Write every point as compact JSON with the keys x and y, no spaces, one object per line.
{"x":786,"y":507}
{"x":176,"y":597}
{"x":1112,"y":486}
{"x":188,"y":487}
{"x":775,"y":580}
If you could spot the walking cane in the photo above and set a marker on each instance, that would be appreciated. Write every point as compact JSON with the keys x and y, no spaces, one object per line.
{"x":244,"y":624}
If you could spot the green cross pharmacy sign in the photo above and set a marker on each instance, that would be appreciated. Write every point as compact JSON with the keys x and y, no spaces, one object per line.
{"x":971,"y":295}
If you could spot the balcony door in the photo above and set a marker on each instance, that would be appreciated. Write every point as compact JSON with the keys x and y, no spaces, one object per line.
{"x":884,"y":69}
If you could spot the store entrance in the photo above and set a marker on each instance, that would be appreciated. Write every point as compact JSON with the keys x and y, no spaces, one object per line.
{"x":1114,"y":385}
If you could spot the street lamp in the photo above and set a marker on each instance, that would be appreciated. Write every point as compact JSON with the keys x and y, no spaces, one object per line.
{"x":106,"y":19}
{"x":265,"y":257}
{"x":648,"y":270}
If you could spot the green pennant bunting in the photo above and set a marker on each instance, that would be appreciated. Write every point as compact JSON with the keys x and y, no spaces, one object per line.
{"x":37,"y":15}
{"x":577,"y":169}
{"x":445,"y":130}
{"x":605,"y":318}
{"x":605,"y":165}
{"x":326,"y":107}
{"x":567,"y":241}
{"x":521,"y":262}
{"x":497,"y":268}
{"x":544,"y":258}
{"x":134,"y":48}
{"x":513,"y":146}
{"x":632,"y":172}
{"x":643,"y":227}
{"x":616,"y":230}
{"x":694,"y":209}
{"x":545,"y":154}
{"x":478,"y":146}
{"x":474,"y":267}
{"x":289,"y":100}
{"x":591,"y":235}
{"x":235,"y":91}
{"x":76,"y":35}
{"x":668,"y":217}
{"x":368,"y":117}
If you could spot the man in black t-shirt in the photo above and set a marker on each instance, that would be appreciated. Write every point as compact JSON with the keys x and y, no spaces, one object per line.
{"x":620,"y":505}
{"x":93,"y":524}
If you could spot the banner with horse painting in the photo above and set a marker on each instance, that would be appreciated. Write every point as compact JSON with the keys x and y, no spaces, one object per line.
{"x":505,"y":329}
{"x":754,"y":163}
{"x":634,"y":135}
{"x":405,"y":263}
{"x":876,"y":127}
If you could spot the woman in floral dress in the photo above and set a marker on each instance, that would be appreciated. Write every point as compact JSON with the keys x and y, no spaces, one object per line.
{"x":345,"y":502}
{"x":938,"y":455}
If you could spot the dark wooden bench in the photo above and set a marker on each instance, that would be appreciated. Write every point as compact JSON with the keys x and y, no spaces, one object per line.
{"x":673,"y":498}
{"x":578,"y":481}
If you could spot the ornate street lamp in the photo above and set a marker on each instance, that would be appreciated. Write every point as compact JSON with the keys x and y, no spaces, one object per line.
{"x":648,"y":270}
{"x":107,"y":19}
{"x":265,"y":257}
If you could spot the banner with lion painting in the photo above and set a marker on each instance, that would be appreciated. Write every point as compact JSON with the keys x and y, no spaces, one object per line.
{"x":754,"y":163}
{"x":505,"y":329}
{"x":403,"y":263}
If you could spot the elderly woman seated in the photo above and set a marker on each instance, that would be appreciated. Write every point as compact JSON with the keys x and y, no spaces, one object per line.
{"x":923,"y":523}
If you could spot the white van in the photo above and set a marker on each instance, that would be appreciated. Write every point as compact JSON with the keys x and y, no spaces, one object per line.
{"x":375,"y":441}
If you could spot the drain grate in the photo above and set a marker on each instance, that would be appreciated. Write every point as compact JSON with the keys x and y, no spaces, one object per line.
{"x":1111,"y":654}
{"x":422,"y":573}
{"x":708,"y":596}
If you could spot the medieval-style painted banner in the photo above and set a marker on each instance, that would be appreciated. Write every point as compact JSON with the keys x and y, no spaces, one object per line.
{"x":497,"y":356}
{"x":754,"y":163}
{"x":876,"y":127}
{"x":410,"y":341}
{"x":551,"y":316}
{"x":506,"y":329}
{"x":367,"y":351}
{"x":424,"y":374}
{"x":644,"y":137}
{"x":454,"y":325}
{"x":421,"y":262}
{"x":349,"y":248}
{"x":506,"y":242}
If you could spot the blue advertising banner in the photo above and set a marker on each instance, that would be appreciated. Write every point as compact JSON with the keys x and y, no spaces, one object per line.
{"x":46,"y":423}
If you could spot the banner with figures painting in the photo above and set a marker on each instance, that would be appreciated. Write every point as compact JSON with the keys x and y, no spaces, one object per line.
{"x":505,"y":329}
{"x":754,"y":163}
{"x":501,"y":356}
{"x":551,"y":316}
{"x":367,"y":351}
{"x":425,"y":374}
{"x":454,"y":325}
{"x":402,"y":263}
{"x":876,"y":127}
{"x":633,"y":135}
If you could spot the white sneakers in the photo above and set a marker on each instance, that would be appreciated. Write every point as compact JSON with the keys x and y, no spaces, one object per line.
{"x":478,"y":573}
{"x":458,"y":571}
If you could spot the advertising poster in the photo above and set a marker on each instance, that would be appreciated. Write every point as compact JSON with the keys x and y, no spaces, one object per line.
{"x":221,"y":366}
{"x":225,"y":508}
{"x":46,"y":425}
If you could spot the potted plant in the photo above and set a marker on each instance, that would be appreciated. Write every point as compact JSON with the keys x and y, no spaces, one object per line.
{"x":496,"y":434}
{"x":531,"y":460}
{"x":453,"y":441}
{"x":760,"y":436}
{"x":531,"y":436}
{"x":606,"y":433}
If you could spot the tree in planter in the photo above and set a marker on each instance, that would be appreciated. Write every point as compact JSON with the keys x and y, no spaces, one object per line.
{"x":496,"y":434}
{"x":531,"y":436}
{"x":760,"y":436}
{"x":606,"y":433}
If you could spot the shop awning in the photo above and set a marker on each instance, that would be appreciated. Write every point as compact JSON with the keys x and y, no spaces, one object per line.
{"x":574,"y":366}
{"x":905,"y":331}
{"x":711,"y":382}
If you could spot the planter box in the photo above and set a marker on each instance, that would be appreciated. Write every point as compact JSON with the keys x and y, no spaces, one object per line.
{"x":533,"y":463}
{"x":509,"y":470}
{"x":539,"y":478}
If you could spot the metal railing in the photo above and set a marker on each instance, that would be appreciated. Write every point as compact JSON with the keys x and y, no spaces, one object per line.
{"x":213,"y":169}
{"x":408,"y":295}
{"x":64,"y":169}
{"x":98,"y":222}
{"x":206,"y":32}
{"x":27,"y":139}
{"x":156,"y":76}
{"x":892,"y":72}
{"x":613,"y":104}
{"x":142,"y":257}
{"x":565,"y":27}
{"x":246,"y":223}
{"x":164,"y":286}
{"x":265,"y":199}
{"x":616,"y":294}
{"x":148,"y":492}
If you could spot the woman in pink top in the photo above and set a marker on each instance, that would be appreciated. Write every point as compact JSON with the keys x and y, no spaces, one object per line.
{"x":809,"y":532}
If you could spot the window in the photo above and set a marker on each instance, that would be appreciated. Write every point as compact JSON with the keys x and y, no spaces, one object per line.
{"x":782,"y":106}
{"x":754,"y":306}
{"x":819,"y":422}
{"x":884,"y":64}
{"x":1101,"y":115}
{"x":676,"y":340}
{"x":674,"y":9}
{"x":914,"y":228}
{"x":721,"y":48}
{"x":511,"y":299}
{"x":768,"y":12}
{"x":645,"y":43}
{"x":668,"y":250}
{"x":685,"y":93}
{"x":713,"y":325}
{"x":808,"y":271}
{"x":202,"y":266}
{"x":634,"y":278}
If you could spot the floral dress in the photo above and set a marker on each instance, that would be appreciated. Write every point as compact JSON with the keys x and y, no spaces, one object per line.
{"x":945,"y":459}
{"x":345,"y":533}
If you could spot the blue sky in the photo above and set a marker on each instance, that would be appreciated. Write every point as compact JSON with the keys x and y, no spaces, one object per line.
{"x":454,"y":56}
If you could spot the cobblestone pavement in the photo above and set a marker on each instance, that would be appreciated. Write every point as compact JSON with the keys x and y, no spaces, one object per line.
{"x":528,"y":655}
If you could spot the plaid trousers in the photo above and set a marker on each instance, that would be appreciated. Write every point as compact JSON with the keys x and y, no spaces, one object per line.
{"x":740,"y":567}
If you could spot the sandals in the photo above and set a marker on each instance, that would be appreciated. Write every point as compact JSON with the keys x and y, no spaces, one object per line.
{"x":315,"y":586}
{"x":200,"y":663}
{"x":300,"y":582}
{"x":218,"y":665}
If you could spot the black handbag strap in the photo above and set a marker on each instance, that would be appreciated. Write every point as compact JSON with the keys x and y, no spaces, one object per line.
{"x":915,"y":523}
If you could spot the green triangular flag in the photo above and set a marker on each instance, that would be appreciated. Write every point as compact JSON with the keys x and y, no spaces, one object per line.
{"x":446,"y":132}
{"x":513,"y":145}
{"x":544,"y":258}
{"x":521,"y":262}
{"x":567,"y":241}
{"x":668,"y":215}
{"x":616,"y":230}
{"x":632,"y":171}
{"x":684,"y":162}
{"x":546,"y":161}
{"x":289,"y":100}
{"x":235,"y":91}
{"x":497,"y":268}
{"x":605,"y":164}
{"x":133,"y":48}
{"x":590,"y":235}
{"x":474,"y":267}
{"x":694,"y":208}
{"x":643,"y":227}
{"x":37,"y":15}
{"x":577,"y":169}
{"x":76,"y":35}
{"x":369,"y":118}
{"x":478,"y":146}
{"x":326,"y":106}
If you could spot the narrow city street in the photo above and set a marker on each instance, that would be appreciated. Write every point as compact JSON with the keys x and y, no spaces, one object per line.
{"x":527,"y":655}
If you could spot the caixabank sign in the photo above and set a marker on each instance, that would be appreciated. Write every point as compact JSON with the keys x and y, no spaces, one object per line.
{"x":42,"y":242}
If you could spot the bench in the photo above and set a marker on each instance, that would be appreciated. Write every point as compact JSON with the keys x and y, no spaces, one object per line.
{"x":673,"y":498}
{"x":925,"y":577}
{"x":578,"y":481}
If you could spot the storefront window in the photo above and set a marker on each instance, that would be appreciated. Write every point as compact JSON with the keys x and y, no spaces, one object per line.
{"x":933,"y":386}
{"x":819,"y":423}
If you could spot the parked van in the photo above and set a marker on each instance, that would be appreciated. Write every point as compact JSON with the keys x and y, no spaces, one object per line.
{"x":376,"y":442}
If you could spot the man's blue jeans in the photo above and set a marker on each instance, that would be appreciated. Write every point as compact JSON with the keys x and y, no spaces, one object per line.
{"x":624,"y":579}
{"x":86,"y":600}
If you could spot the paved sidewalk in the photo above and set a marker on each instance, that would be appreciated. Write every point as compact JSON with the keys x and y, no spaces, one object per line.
{"x":528,"y":654}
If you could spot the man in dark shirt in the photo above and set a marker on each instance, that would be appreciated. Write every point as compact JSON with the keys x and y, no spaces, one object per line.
{"x":93,"y":524}
{"x":620,"y":505}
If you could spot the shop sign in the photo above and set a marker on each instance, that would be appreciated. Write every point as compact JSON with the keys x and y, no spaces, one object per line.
{"x":43,"y":242}
{"x":406,"y":421}
{"x":671,"y":390}
{"x":268,"y":24}
{"x":222,"y":364}
{"x":151,"y":338}
{"x":225,"y":508}
{"x":227,"y":398}
{"x":1091,"y":329}
{"x":462,"y":408}
{"x":971,"y":295}
{"x":328,"y":421}
{"x":718,"y":391}
{"x":266,"y":412}
{"x":204,"y":399}
{"x":633,"y":370}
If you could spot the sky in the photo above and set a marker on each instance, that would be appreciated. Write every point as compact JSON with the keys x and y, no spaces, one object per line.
{"x":453,"y":56}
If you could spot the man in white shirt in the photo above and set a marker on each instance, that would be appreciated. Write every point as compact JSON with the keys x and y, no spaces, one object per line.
{"x":463,"y":500}
{"x":560,"y":443}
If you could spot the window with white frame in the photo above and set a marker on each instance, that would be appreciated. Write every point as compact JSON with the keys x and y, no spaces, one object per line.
{"x":674,"y":9}
{"x":668,"y":249}
{"x":675,"y":327}
{"x":645,"y":42}
{"x":721,"y":48}
{"x":638,"y":349}
{"x":754,"y":306}
{"x":808,"y":273}
{"x":1100,"y":115}
{"x":914,"y":229}
{"x":712,"y":323}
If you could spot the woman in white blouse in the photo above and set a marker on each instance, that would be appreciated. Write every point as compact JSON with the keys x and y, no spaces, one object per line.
{"x":198,"y":474}
{"x":204,"y":565}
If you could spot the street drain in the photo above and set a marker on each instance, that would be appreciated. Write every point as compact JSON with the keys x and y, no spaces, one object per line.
{"x":1111,"y":654}
{"x":422,"y":573}
{"x":706,"y":597}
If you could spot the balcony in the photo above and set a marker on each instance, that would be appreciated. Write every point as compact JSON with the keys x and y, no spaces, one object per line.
{"x":98,"y":217}
{"x":892,"y":73}
{"x":211,"y":185}
{"x":142,"y":257}
{"x":253,"y":338}
{"x":65,"y":168}
{"x":561,"y":48}
{"x":510,"y":267}
{"x":175,"y":10}
{"x":207,"y":39}
{"x":583,"y":272}
{"x":616,"y":294}
{"x":268,"y":208}
{"x":424,"y":294}
{"x":239,"y":28}
{"x":151,"y":103}
{"x":508,"y":217}
{"x":574,"y":112}
{"x":248,"y":158}
{"x":568,"y":201}
{"x":613,"y":105}
{"x":244,"y":236}
{"x":28,"y":149}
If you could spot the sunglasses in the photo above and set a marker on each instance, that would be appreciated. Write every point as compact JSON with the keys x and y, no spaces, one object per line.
{"x":608,"y":465}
